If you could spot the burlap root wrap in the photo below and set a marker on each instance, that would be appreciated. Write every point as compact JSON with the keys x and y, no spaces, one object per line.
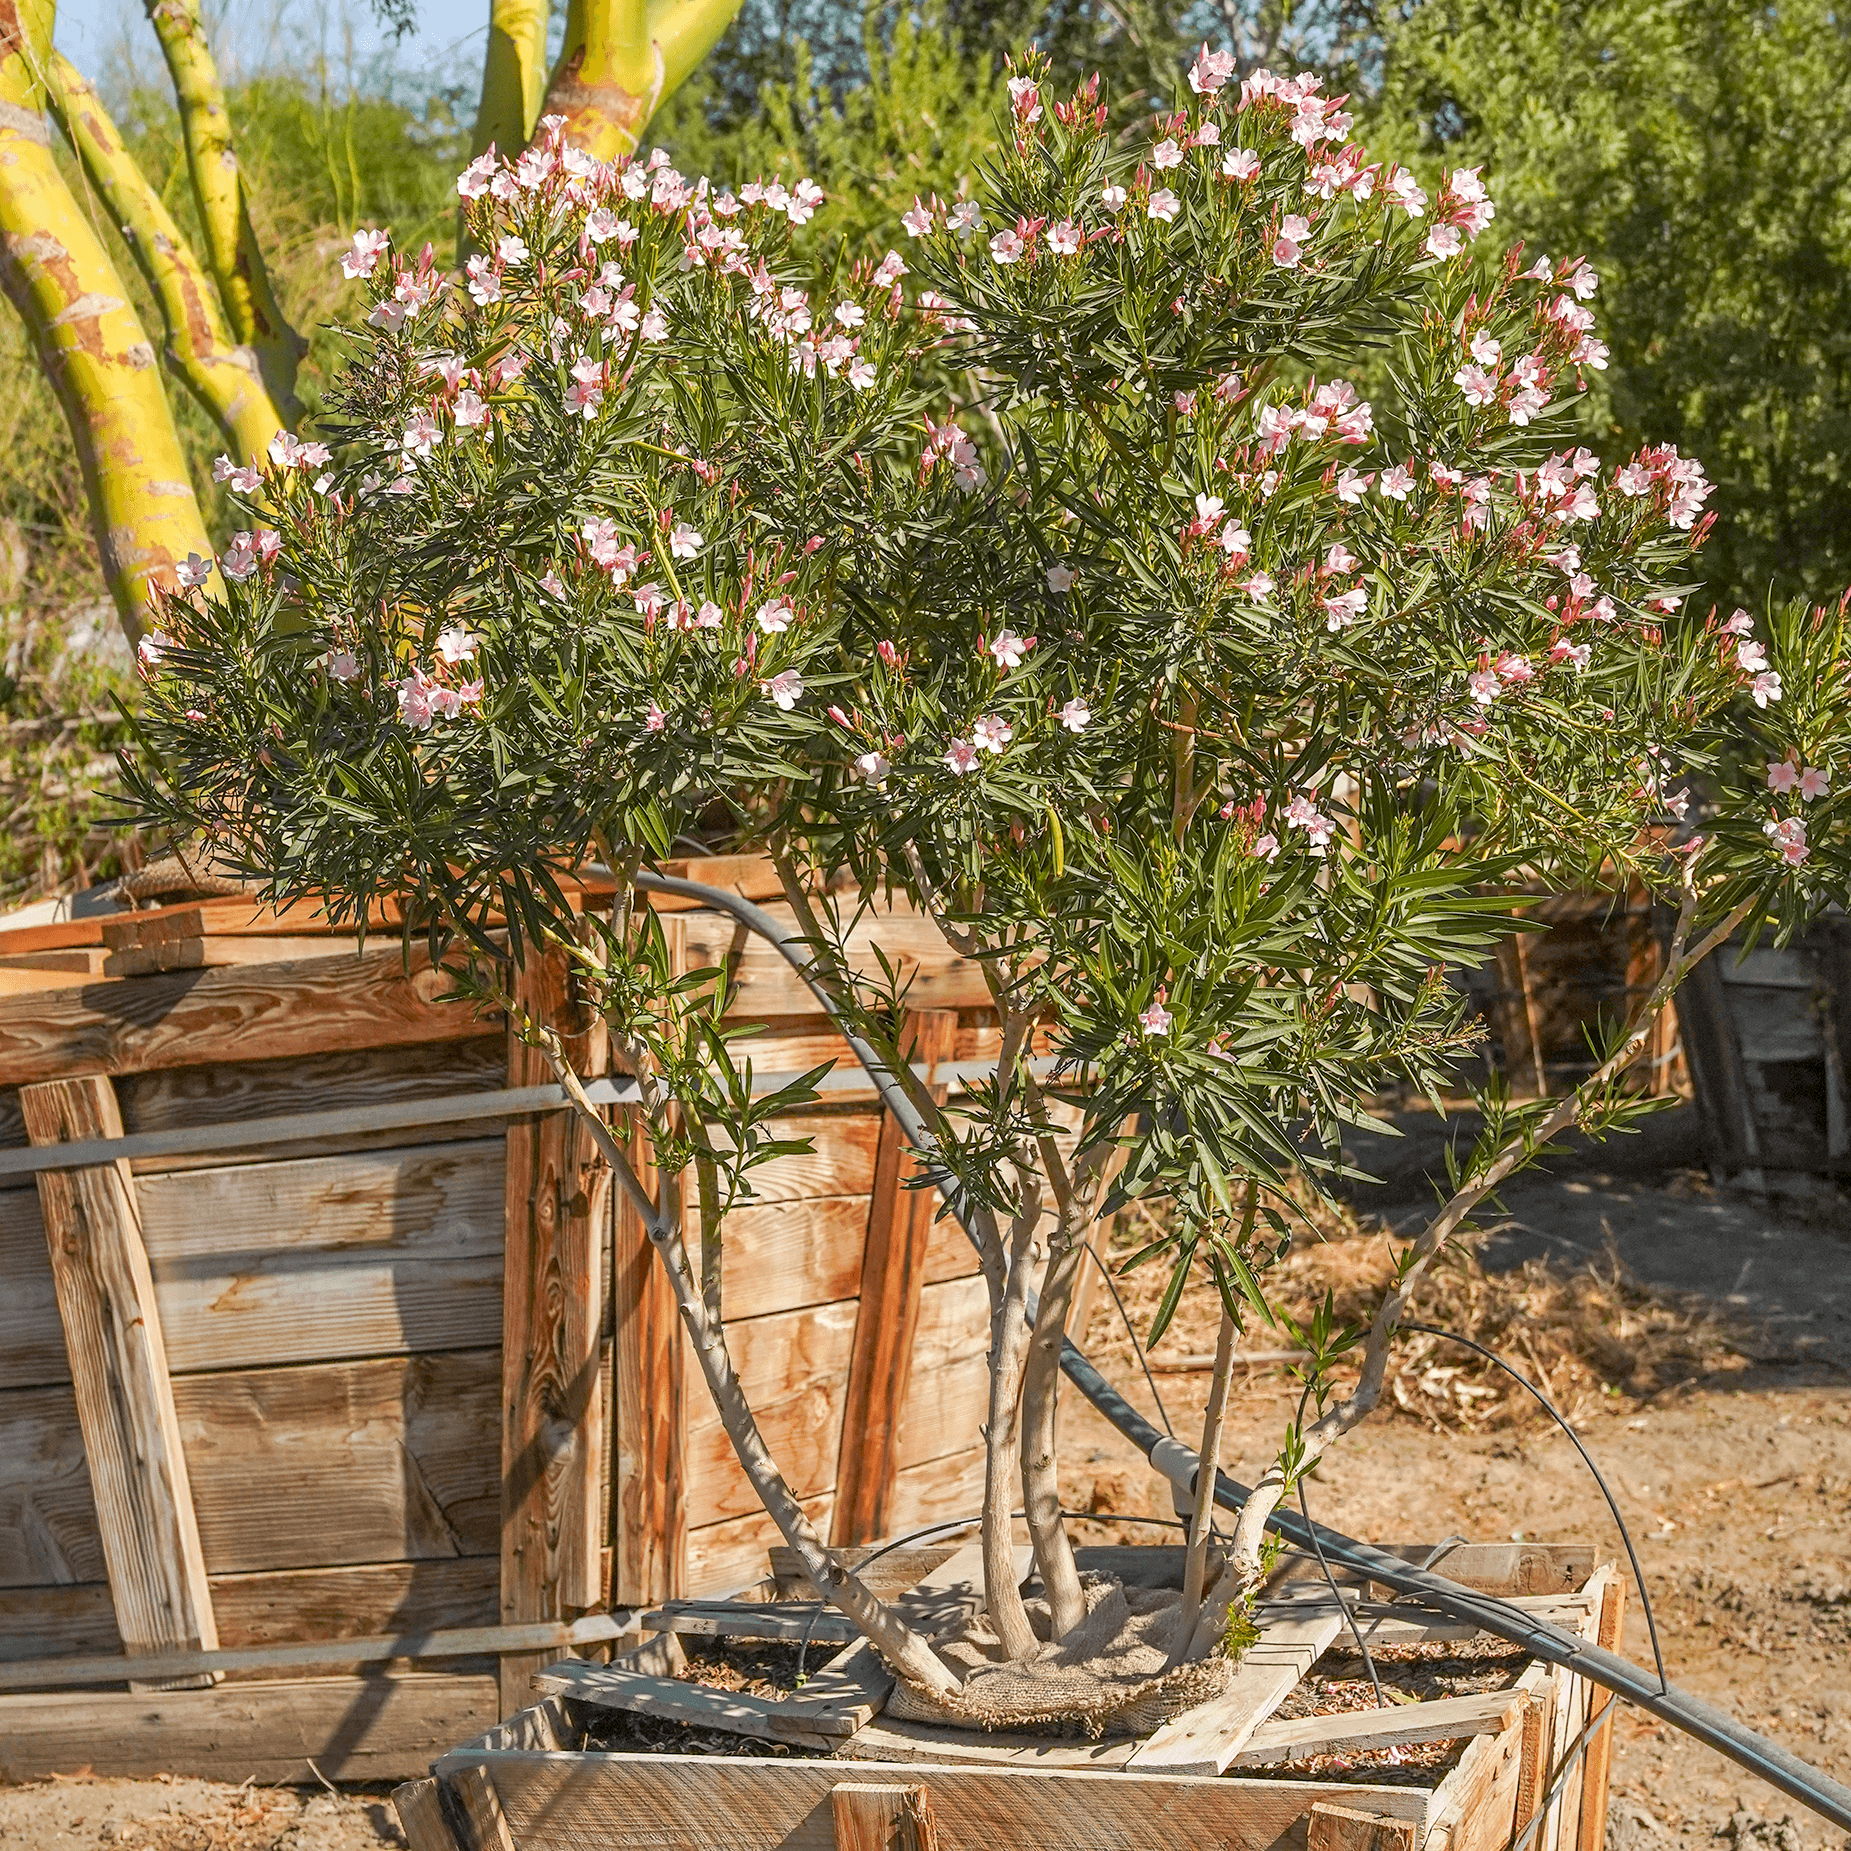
{"x":1106,"y":1677}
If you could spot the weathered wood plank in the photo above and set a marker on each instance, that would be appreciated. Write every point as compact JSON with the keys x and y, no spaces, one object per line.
{"x":385,"y":1727}
{"x":881,"y":1818}
{"x":649,"y":1402}
{"x":1598,"y":1764}
{"x":1506,"y":1568}
{"x":1361,"y":1731}
{"x":722,"y":1556}
{"x":48,"y":1532}
{"x":483,"y":1826}
{"x":734,"y":1711}
{"x":939,"y":1491}
{"x":889,"y":1740}
{"x":338,"y":1463}
{"x":841,"y":1162}
{"x":948,"y":1396}
{"x":793,"y":1366}
{"x":354,"y":1602}
{"x":793,"y":1255}
{"x":890,"y":1573}
{"x":1343,"y":1828}
{"x":899,"y":1232}
{"x":119,"y":1379}
{"x":935,"y":976}
{"x":421,"y":1817}
{"x":752,"y":1619}
{"x":309,"y":1260}
{"x":1206,"y":1739}
{"x":190,"y":1018}
{"x":657,"y":1803}
{"x":552,"y":1410}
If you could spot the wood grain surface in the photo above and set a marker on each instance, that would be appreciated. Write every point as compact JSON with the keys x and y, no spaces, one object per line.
{"x":119,"y":1381}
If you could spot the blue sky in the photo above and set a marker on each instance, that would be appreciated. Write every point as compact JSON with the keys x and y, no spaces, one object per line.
{"x":112,"y":42}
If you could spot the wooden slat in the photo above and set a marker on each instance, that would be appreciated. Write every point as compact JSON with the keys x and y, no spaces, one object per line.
{"x":794,"y":1368}
{"x":552,"y":1410}
{"x":1504,"y":1568}
{"x":337,"y":1463}
{"x":385,"y":1727}
{"x":1362,"y":1731}
{"x":1476,"y":1802}
{"x":649,"y":1399}
{"x":210,"y":953}
{"x":950,"y":1389}
{"x":889,"y":1740}
{"x":892,"y":1276}
{"x":882,"y":1818}
{"x":621,"y":1802}
{"x":749,"y":1619}
{"x":1343,"y":1828}
{"x":939,"y":1491}
{"x":936,"y":978}
{"x":309,"y":1260}
{"x":891,"y":1572}
{"x":792,"y":1255}
{"x":675,"y":1700}
{"x":1599,"y":1760}
{"x":483,"y":1826}
{"x":721,"y":1556}
{"x":421,"y":1818}
{"x":125,"y":1405}
{"x":1206,"y":1739}
{"x":48,"y":1531}
{"x":841,"y":1161}
{"x":188,"y":1018}
{"x":354,"y":1602}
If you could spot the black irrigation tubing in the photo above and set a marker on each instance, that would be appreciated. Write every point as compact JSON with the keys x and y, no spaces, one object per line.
{"x":1587,"y":1459}
{"x":1829,"y":1798}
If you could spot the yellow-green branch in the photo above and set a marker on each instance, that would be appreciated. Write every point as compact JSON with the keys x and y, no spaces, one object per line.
{"x":232,"y":252}
{"x":88,"y":338}
{"x":513,"y":75}
{"x":620,"y":61}
{"x":221,"y":375}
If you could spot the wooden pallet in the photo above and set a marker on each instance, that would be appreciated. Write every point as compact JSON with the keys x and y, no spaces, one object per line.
{"x":530,"y":1785}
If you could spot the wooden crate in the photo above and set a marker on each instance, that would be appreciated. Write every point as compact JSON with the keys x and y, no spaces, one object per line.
{"x":410,"y":1379}
{"x":853,"y":1780}
{"x":1769,"y":1035}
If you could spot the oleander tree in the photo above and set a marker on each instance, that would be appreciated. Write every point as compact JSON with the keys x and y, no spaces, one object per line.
{"x":227,"y":339}
{"x":1220,"y":713}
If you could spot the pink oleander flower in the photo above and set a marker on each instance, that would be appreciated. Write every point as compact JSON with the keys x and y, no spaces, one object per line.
{"x":1302,"y":813}
{"x":1445,"y":241}
{"x":1156,"y":1019}
{"x":1751,"y":656}
{"x":961,"y":756}
{"x":992,"y":733}
{"x":1240,"y":164}
{"x":1782,"y":775}
{"x":685,"y":541}
{"x":245,"y":478}
{"x":775,"y":616}
{"x":456,"y":644}
{"x":239,"y":560}
{"x":1397,"y":483}
{"x":966,"y":215}
{"x":192,"y":571}
{"x":1815,"y":782}
{"x":1210,"y":71}
{"x":1065,"y":238}
{"x":1483,"y":686}
{"x":1259,"y":587}
{"x":1060,"y":578}
{"x":471,"y":411}
{"x":1165,"y":155}
{"x":1163,"y":205}
{"x":786,"y":689}
{"x":364,"y":255}
{"x":1076,"y":716}
{"x":918,"y":221}
{"x":341,"y":665}
{"x":1208,"y":510}
{"x":1008,"y":650}
{"x":1788,"y":834}
{"x":1112,"y":197}
{"x":1236,"y":542}
{"x":1343,"y":610}
{"x":1765,"y":687}
{"x":1266,"y":847}
{"x":1006,"y":246}
{"x":1477,"y":386}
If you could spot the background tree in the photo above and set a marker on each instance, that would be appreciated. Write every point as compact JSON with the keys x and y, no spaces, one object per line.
{"x":228,"y":338}
{"x":1699,"y":152}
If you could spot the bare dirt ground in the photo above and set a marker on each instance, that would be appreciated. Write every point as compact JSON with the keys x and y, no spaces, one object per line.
{"x":1701,"y":1344}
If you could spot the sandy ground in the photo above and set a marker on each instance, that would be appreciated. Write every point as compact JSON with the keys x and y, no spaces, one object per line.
{"x":1736,"y":1481}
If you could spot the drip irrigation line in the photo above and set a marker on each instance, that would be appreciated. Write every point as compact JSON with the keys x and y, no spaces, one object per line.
{"x":1552,"y":1644}
{"x":1587,"y":1459}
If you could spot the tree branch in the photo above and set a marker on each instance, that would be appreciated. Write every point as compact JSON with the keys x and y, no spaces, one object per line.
{"x":200,"y":352}
{"x":232,"y":251}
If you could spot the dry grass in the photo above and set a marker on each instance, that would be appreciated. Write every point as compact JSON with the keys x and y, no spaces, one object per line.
{"x":1589,"y":1336}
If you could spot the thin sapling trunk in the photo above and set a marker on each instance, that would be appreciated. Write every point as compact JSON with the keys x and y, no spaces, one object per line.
{"x":1201,"y":1522}
{"x":1008,"y":1363}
